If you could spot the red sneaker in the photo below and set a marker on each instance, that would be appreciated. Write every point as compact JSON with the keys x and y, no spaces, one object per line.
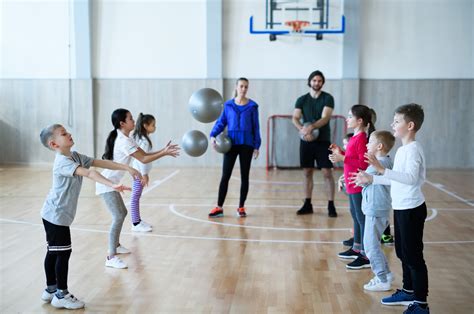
{"x":216,"y":212}
{"x":241,"y":212}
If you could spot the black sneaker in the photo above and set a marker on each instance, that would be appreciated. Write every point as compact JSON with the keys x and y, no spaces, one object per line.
{"x":359,"y":263}
{"x":387,"y":239}
{"x":348,"y":242}
{"x":306,"y":209}
{"x":332,"y":211}
{"x":349,"y":254}
{"x":416,"y":308}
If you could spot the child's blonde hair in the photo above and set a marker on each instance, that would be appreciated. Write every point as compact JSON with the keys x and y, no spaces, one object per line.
{"x":47,"y":134}
{"x":385,"y":138}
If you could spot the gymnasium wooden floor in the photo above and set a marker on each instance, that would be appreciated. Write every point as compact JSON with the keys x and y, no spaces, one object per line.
{"x":271,"y":262}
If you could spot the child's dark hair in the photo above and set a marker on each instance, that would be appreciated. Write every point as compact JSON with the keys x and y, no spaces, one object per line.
{"x":412,"y":113}
{"x":119,"y":115}
{"x":386,"y":138}
{"x":140,"y":131}
{"x":374,"y":115}
{"x":363,"y":112}
{"x":316,"y":73}
{"x":348,"y":136}
{"x":237,"y":82}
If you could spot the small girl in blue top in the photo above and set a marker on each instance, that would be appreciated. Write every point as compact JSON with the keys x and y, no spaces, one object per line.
{"x":240,"y":115}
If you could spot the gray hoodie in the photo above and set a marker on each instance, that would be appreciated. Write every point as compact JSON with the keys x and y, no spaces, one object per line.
{"x":376,"y":200}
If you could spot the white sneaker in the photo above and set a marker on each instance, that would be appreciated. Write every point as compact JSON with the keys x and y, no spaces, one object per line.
{"x":122,"y":250}
{"x":141,"y":227}
{"x":376,"y":285}
{"x":47,"y":296}
{"x":146,"y":223}
{"x":115,"y":262}
{"x":69,"y":302}
{"x":390,"y":277}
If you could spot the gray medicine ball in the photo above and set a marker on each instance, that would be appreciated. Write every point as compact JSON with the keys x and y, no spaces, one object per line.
{"x":315,"y":133}
{"x":194,"y":143}
{"x":223,"y":143}
{"x":206,"y":105}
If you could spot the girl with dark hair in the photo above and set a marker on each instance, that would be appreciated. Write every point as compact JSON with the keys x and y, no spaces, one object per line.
{"x":240,"y":115}
{"x":360,"y":120}
{"x":121,"y":148}
{"x":146,"y":124}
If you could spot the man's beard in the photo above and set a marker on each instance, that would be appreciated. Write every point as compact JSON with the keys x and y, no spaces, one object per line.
{"x":317,"y":90}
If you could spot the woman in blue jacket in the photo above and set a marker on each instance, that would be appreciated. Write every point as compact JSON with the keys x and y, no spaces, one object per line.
{"x":240,"y":115}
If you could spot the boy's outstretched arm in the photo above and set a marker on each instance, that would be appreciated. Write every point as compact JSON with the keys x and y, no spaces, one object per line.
{"x":108,"y":164}
{"x":97,"y":177}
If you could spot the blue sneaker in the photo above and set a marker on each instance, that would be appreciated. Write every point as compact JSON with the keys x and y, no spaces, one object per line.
{"x":400,"y":297}
{"x":415,"y":308}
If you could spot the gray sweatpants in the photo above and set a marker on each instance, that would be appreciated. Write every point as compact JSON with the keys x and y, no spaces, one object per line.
{"x":373,"y":230}
{"x":114,"y":202}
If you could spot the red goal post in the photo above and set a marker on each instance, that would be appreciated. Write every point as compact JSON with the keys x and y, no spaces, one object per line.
{"x":282,"y":149}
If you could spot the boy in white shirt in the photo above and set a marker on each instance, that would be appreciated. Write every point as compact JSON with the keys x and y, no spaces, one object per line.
{"x":408,"y":202}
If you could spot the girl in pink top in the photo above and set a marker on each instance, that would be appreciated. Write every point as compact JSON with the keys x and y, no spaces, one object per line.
{"x":359,"y":119}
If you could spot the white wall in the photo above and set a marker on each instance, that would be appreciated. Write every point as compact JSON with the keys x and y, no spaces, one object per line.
{"x":254,"y":56}
{"x":406,"y":39}
{"x":149,"y":39}
{"x":131,"y":39}
{"x":400,"y":39}
{"x":34,"y":37}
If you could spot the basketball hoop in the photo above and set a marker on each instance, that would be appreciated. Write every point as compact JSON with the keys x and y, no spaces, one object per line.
{"x":297,"y":25}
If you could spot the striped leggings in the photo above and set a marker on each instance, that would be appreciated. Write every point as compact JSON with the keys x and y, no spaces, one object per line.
{"x":137,"y":189}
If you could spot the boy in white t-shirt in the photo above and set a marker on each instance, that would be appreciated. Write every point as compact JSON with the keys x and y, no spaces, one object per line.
{"x":408,"y":202}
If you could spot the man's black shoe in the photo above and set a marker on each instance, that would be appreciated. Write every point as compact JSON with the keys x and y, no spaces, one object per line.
{"x":331,"y":209}
{"x":306,"y":209}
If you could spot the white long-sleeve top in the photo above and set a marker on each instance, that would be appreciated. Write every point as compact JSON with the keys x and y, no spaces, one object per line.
{"x":406,"y":177}
{"x":143,"y":168}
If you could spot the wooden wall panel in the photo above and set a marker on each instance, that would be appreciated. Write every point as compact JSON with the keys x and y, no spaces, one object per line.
{"x":27,"y":106}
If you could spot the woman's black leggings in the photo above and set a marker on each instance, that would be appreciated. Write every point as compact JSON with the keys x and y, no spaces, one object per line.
{"x":245,"y":153}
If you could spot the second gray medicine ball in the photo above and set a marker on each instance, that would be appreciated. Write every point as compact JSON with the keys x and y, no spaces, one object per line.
{"x":194,"y":143}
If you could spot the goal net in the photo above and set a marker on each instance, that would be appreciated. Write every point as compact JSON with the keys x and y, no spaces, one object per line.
{"x":283,"y":141}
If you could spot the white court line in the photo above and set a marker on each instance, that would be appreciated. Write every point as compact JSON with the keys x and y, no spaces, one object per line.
{"x":173,"y":210}
{"x":456,"y":209}
{"x":441,"y":188}
{"x":434,"y":213}
{"x":182,"y":237}
{"x":236,"y":205}
{"x":215,"y":238}
{"x":275,"y":182}
{"x":158,"y":182}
